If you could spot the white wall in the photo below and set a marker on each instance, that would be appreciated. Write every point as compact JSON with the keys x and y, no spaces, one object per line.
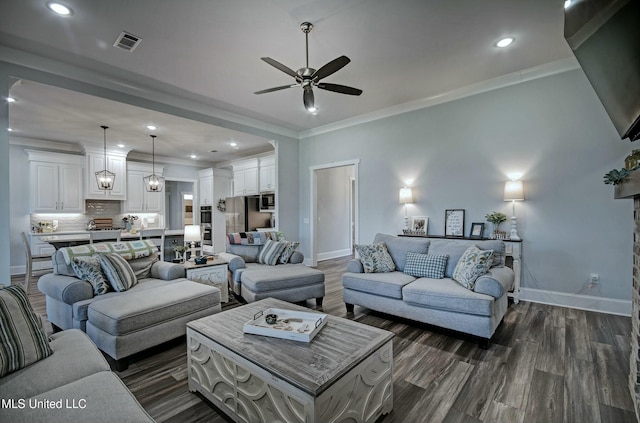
{"x":553,"y":130}
{"x":333,"y":190}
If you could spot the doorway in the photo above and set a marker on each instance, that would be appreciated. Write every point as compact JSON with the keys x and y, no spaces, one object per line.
{"x":334,"y":210}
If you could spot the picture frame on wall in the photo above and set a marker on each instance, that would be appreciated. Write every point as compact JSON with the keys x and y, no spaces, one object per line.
{"x":477,"y":230}
{"x":454,"y":223}
{"x":419,"y":224}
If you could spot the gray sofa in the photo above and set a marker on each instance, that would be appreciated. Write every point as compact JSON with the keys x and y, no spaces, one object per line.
{"x":77,"y":378}
{"x":440,"y":302}
{"x":253,"y":281}
{"x":153,"y":311}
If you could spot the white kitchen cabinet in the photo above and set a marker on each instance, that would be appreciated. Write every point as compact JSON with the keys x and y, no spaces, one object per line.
{"x":245,"y":178}
{"x":205,"y":187}
{"x":139,"y":200}
{"x":57,"y":182}
{"x":116,"y":163}
{"x":267,"y":174}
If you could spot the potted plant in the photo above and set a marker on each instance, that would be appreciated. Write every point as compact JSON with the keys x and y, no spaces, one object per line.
{"x":497,"y":218}
{"x":178,"y":251}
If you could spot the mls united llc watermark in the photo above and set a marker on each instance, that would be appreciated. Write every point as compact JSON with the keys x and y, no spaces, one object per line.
{"x":63,"y":403}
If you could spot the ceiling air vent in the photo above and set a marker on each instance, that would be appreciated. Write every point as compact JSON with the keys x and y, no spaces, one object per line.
{"x":127,"y":41}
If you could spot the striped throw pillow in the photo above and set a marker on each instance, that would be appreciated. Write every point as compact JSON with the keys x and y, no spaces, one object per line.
{"x":22,"y":340}
{"x":271,"y":252}
{"x":426,"y":265}
{"x":118,"y":272}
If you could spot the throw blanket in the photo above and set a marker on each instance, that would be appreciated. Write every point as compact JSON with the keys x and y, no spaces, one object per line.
{"x":127,"y":249}
{"x":253,"y":238}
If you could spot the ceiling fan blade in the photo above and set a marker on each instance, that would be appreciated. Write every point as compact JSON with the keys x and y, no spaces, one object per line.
{"x":282,"y":87}
{"x":280,"y":66}
{"x":342,"y":89}
{"x":333,"y":66}
{"x":308,"y":99}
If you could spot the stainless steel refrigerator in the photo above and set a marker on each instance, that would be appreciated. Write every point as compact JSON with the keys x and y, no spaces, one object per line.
{"x":243,"y":215}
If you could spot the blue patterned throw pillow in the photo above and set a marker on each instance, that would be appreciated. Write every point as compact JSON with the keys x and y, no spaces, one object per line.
{"x":288,"y":251}
{"x":375,"y":258}
{"x":473,"y":264}
{"x":88,"y":269}
{"x":426,"y":265}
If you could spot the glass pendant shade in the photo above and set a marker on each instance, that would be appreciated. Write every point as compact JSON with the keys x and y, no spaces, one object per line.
{"x":104,"y":178}
{"x":153,"y":182}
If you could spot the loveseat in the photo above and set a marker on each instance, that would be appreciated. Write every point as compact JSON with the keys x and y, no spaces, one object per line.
{"x":439,"y":300}
{"x":256,"y":274}
{"x":155,"y":309}
{"x":72,"y":383}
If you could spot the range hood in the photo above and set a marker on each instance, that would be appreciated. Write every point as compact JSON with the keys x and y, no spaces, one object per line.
{"x":605,"y":38}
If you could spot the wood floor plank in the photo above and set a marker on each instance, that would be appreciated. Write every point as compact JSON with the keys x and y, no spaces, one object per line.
{"x":581,"y":403}
{"x":441,"y":374}
{"x":546,"y":403}
{"x":552,"y":342}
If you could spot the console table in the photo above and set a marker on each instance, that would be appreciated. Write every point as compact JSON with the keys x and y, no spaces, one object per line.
{"x":513,"y":250}
{"x":213,"y":272}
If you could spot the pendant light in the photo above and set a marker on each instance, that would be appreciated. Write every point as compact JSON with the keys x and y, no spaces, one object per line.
{"x":104,"y":178}
{"x":153,"y":182}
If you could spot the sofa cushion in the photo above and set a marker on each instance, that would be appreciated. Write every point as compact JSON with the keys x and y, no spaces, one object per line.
{"x":98,"y":398}
{"x":74,"y":357}
{"x":383,"y":284}
{"x":123,"y":314}
{"x":426,"y":265}
{"x":473,"y":263}
{"x":88,"y":269}
{"x":118,"y":272}
{"x":446,"y":294}
{"x":142,"y":266}
{"x":375,"y":258}
{"x":288,"y":251}
{"x":271,"y":252}
{"x":454,"y":248}
{"x":398,"y":247}
{"x":22,"y":340}
{"x":258,"y":278}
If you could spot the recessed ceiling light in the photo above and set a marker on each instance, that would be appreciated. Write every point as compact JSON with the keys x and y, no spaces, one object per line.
{"x":9,"y":129}
{"x":505,"y":42}
{"x":59,"y":8}
{"x":121,"y":145}
{"x":567,"y":4}
{"x":193,"y":156}
{"x":233,"y":144}
{"x":151,"y":127}
{"x":10,"y":100}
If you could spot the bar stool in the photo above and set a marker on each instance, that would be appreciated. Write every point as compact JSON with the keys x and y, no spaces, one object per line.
{"x":106,"y":235}
{"x":157,"y":236}
{"x":30,"y":259}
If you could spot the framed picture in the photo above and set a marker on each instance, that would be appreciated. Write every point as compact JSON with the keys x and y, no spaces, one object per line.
{"x":477,"y":230}
{"x":419,"y":224}
{"x":454,"y":223}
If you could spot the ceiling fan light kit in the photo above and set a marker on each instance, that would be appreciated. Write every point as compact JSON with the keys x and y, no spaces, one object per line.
{"x":307,"y":77}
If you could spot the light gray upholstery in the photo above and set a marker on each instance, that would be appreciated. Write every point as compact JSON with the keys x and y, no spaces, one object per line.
{"x":441,"y":302}
{"x":253,"y":281}
{"x":153,"y":311}
{"x":76,"y":374}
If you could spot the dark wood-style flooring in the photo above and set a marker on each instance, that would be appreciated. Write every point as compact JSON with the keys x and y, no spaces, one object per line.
{"x":545,"y":364}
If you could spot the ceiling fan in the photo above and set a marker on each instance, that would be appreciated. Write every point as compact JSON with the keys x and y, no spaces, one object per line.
{"x":307,"y":77}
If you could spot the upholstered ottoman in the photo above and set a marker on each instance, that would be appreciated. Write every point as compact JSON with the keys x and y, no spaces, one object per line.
{"x":287,"y":282}
{"x":126,"y":324}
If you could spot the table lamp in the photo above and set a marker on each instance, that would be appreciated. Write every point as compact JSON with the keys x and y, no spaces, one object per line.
{"x":513,"y":191}
{"x":192,"y":235}
{"x":406,"y":197}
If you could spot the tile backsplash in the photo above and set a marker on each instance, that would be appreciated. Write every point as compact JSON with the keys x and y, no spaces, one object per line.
{"x":94,"y":209}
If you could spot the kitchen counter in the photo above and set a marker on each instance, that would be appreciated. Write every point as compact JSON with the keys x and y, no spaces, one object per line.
{"x":83,"y":235}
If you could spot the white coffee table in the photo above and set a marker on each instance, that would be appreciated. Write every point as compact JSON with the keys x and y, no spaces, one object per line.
{"x":344,"y":373}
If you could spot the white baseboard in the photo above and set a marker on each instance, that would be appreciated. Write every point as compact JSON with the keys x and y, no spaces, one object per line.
{"x":334,"y":254}
{"x":18,"y":270}
{"x":582,"y":302}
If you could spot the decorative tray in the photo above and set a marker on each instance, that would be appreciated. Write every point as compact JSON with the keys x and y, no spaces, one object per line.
{"x":287,"y":324}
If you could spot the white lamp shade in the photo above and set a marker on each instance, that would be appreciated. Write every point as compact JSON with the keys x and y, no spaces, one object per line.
{"x":513,"y":191}
{"x":406,"y":196}
{"x":192,"y":233}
